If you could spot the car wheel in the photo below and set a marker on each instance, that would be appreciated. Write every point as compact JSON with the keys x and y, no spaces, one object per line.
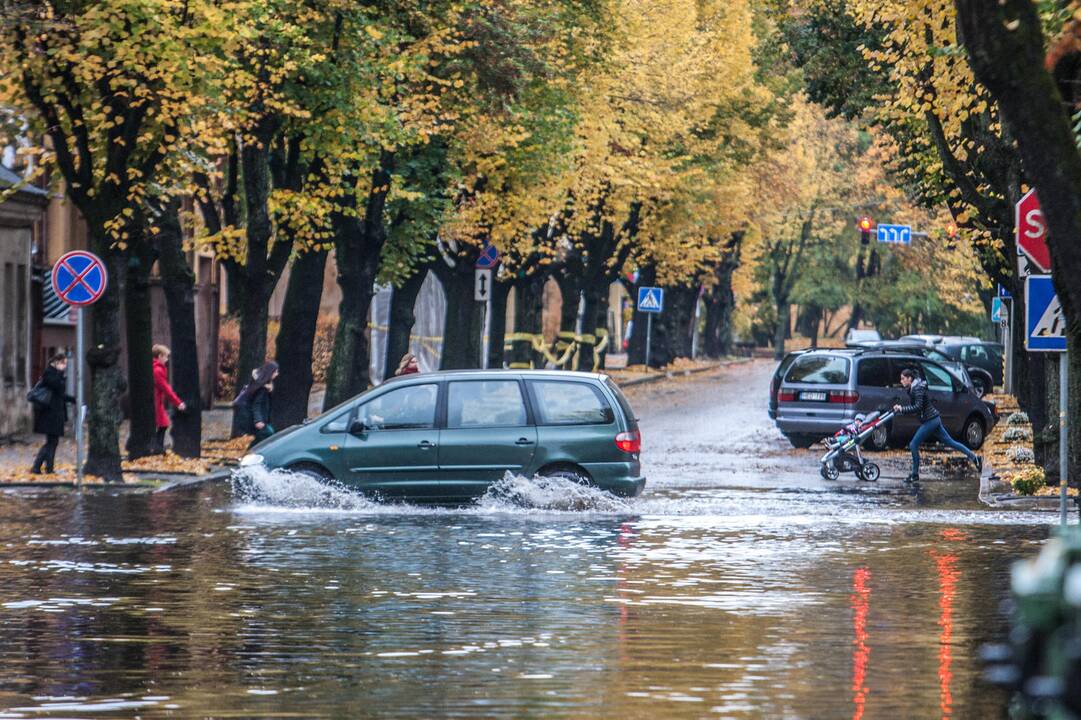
{"x":973,"y":433}
{"x":880,"y":438}
{"x":979,"y":386}
{"x":565,"y":472}
{"x":801,"y":441}
{"x":315,"y":472}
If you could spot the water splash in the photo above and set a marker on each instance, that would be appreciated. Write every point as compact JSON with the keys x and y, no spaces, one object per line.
{"x":289,"y":489}
{"x":517,"y":492}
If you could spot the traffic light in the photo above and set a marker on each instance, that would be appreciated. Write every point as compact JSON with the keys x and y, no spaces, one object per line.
{"x":865,"y":224}
{"x":951,"y":236}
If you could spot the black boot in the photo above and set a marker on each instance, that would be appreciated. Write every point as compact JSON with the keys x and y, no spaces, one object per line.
{"x":912,"y":479}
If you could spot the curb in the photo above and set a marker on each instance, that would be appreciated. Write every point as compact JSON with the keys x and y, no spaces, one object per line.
{"x":682,"y":373}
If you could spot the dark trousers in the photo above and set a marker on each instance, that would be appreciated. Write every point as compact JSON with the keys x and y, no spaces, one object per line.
{"x":933,"y":428}
{"x":47,"y":454}
{"x":159,"y":441}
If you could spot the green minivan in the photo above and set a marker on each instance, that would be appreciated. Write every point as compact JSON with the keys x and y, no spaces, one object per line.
{"x":447,"y":436}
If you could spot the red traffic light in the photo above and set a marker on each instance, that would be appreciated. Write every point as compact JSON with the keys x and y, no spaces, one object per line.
{"x":865,"y":224}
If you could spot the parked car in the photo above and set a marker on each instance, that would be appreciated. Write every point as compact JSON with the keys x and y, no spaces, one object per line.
{"x":823,"y":390}
{"x":988,"y":356}
{"x":981,"y":381}
{"x":447,"y":436}
{"x":857,"y":336}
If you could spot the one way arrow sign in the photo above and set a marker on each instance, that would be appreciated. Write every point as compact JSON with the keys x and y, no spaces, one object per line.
{"x":482,"y":284}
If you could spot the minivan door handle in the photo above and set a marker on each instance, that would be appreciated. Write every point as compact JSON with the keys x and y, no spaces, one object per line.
{"x":426,"y":445}
{"x":524,"y":441}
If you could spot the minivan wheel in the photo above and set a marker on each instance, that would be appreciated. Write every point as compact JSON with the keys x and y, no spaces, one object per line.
{"x":566,"y":472}
{"x":973,"y":433}
{"x":313,"y":471}
{"x":880,"y":438}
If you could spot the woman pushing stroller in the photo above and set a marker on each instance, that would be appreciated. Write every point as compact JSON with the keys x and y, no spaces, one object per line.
{"x":930,"y":423}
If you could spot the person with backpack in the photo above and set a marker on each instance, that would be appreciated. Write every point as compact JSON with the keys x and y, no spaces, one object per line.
{"x":930,"y":423}
{"x":163,"y":391}
{"x":50,"y":399}
{"x":255,"y":402}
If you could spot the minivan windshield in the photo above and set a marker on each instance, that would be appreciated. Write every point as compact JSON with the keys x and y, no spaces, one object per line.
{"x":819,"y":370}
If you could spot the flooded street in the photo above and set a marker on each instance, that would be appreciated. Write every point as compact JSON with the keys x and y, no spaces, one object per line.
{"x":741,"y":585}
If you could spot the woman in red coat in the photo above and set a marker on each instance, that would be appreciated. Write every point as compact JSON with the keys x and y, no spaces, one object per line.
{"x":163,"y":391}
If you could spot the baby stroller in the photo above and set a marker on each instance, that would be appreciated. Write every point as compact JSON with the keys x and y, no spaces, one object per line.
{"x":843,"y":448}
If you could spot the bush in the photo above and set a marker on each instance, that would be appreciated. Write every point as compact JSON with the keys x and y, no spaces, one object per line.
{"x":1021,"y":455}
{"x":1028,"y":481}
{"x":1016,"y":434}
{"x":1017,"y":418}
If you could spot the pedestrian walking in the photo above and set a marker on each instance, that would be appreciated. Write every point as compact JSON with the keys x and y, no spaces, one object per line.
{"x":408,"y":365}
{"x":930,"y":423}
{"x":163,"y":392}
{"x":255,"y":402}
{"x":50,"y":400}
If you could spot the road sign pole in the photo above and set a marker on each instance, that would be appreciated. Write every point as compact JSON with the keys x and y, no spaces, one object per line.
{"x":649,"y":337}
{"x":1009,"y":349}
{"x":486,"y":332}
{"x":80,"y":365}
{"x":1063,"y":435}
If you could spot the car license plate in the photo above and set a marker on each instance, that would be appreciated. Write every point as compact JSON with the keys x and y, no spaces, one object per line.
{"x":814,"y":396}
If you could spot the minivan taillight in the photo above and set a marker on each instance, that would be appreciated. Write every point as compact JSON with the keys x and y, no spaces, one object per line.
{"x":629,"y":442}
{"x":844,"y":396}
{"x":787,"y":396}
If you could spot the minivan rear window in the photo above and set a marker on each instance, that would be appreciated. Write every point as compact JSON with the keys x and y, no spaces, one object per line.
{"x":819,"y":370}
{"x":621,"y":400}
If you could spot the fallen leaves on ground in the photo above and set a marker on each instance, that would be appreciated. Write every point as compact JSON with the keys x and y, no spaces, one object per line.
{"x":226,"y":451}
{"x":62,"y":473}
{"x":167,"y":463}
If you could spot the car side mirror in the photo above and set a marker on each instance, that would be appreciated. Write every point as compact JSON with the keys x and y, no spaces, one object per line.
{"x":357,"y":427}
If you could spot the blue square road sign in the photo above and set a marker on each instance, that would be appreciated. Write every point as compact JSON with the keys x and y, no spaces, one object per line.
{"x":650,"y":299}
{"x":1045,"y":323}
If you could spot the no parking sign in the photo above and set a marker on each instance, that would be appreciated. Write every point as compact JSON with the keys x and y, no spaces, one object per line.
{"x":79,"y":279}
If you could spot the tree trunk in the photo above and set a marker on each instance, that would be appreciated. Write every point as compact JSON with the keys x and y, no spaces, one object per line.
{"x":595,"y":296}
{"x":673,"y":326}
{"x":103,"y":359}
{"x":570,"y":298}
{"x":780,"y":330}
{"x":259,"y":280}
{"x":1006,"y":46}
{"x":358,"y":245}
{"x":528,"y":319}
{"x":139,"y":332}
{"x":462,"y":328}
{"x":497,"y":325}
{"x":178,"y":282}
{"x":403,"y":317}
{"x":296,"y":338}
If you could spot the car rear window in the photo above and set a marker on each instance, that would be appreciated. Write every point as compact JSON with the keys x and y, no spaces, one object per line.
{"x":819,"y":370}
{"x":570,"y":403}
{"x":624,"y":405}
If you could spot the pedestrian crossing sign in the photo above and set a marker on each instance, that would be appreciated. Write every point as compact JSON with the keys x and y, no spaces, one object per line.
{"x":650,"y":299}
{"x":1044,"y":320}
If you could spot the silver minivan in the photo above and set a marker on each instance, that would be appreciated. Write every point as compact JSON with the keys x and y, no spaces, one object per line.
{"x":823,"y":390}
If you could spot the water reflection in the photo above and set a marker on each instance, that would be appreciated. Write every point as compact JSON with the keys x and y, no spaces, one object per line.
{"x":193,"y":606}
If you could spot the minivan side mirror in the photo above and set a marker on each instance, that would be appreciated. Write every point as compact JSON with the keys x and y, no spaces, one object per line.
{"x":357,"y":427}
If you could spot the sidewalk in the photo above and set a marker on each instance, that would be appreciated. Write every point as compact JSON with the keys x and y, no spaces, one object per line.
{"x":219,"y":452}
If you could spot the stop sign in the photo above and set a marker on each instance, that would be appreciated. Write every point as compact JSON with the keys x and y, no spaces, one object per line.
{"x":1032,"y":231}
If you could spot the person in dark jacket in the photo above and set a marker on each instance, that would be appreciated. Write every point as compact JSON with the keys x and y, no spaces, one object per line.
{"x":49,"y":419}
{"x":930,"y":423}
{"x":255,"y":402}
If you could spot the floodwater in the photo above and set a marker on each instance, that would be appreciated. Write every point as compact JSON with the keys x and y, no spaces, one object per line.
{"x":740,"y":585}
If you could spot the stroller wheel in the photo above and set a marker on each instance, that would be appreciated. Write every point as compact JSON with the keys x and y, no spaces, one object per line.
{"x":829,"y":472}
{"x":869,"y":472}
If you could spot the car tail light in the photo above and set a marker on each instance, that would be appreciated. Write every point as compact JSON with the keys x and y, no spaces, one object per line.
{"x":844,"y":396}
{"x":787,"y":396}
{"x":629,"y":442}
